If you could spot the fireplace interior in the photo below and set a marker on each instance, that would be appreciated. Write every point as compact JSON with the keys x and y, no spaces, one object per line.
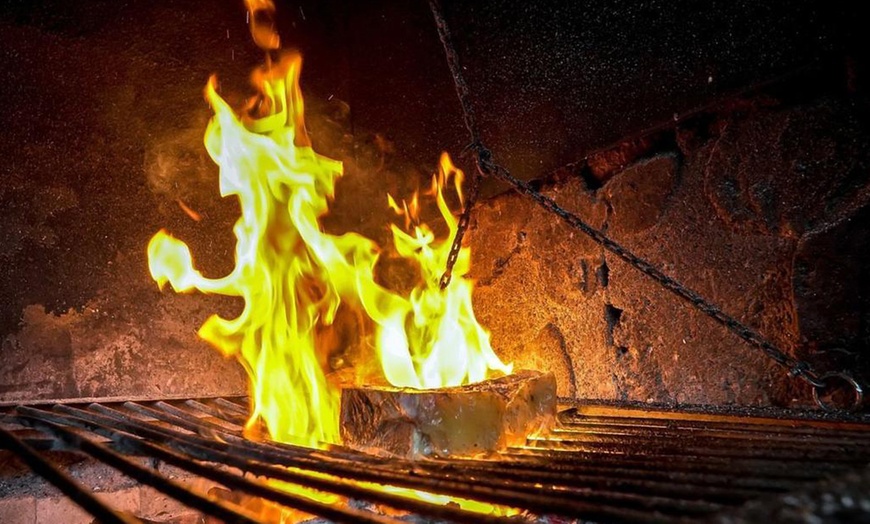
{"x":724,"y":144}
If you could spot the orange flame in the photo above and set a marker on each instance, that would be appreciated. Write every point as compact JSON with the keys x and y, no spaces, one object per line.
{"x":260,"y":14}
{"x":293,"y":276}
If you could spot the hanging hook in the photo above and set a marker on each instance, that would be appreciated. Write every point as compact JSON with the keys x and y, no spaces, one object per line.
{"x":824,"y":382}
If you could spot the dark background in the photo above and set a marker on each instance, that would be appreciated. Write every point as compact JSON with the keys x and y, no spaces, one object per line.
{"x":102,"y":112}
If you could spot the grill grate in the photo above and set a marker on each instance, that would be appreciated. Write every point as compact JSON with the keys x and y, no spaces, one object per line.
{"x":605,"y":463}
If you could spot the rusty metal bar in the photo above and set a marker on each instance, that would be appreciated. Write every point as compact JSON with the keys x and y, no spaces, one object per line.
{"x":185,"y":451}
{"x":35,"y":418}
{"x":400,"y":473}
{"x":62,"y":481}
{"x":581,"y":491}
{"x":600,"y":463}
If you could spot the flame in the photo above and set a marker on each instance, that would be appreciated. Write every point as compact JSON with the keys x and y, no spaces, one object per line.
{"x":471,"y":505}
{"x":438,"y":343}
{"x":474,"y":506}
{"x":281,"y":257}
{"x":411,"y":211}
{"x":294,"y":277}
{"x":260,"y":14}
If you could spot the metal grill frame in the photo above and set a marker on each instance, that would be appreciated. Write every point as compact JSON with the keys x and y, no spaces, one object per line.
{"x":610,"y":463}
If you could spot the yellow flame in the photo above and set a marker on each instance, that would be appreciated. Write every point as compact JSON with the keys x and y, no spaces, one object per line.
{"x":411,"y":211}
{"x":474,"y":506}
{"x":438,"y":343}
{"x":293,"y":276}
{"x":280,"y":258}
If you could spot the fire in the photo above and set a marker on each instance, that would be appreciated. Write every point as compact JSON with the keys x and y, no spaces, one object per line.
{"x":439,"y":342}
{"x":282,"y":257}
{"x":294,"y":276}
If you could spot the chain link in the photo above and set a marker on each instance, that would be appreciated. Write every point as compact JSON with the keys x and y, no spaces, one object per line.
{"x":461,"y":227}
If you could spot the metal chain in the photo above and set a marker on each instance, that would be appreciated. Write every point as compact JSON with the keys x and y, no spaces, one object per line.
{"x":485,"y":166}
{"x":476,"y":145}
{"x":461,"y":227}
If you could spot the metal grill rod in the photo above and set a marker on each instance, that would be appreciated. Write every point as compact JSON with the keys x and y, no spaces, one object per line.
{"x":718,"y":495}
{"x":404,"y":474}
{"x":571,"y":495}
{"x":593,"y":496}
{"x":605,"y":464}
{"x":133,"y":445}
{"x":63,"y":482}
{"x":33,"y":418}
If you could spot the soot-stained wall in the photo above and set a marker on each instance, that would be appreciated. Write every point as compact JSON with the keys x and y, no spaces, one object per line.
{"x":764,"y":212}
{"x":102,"y":121}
